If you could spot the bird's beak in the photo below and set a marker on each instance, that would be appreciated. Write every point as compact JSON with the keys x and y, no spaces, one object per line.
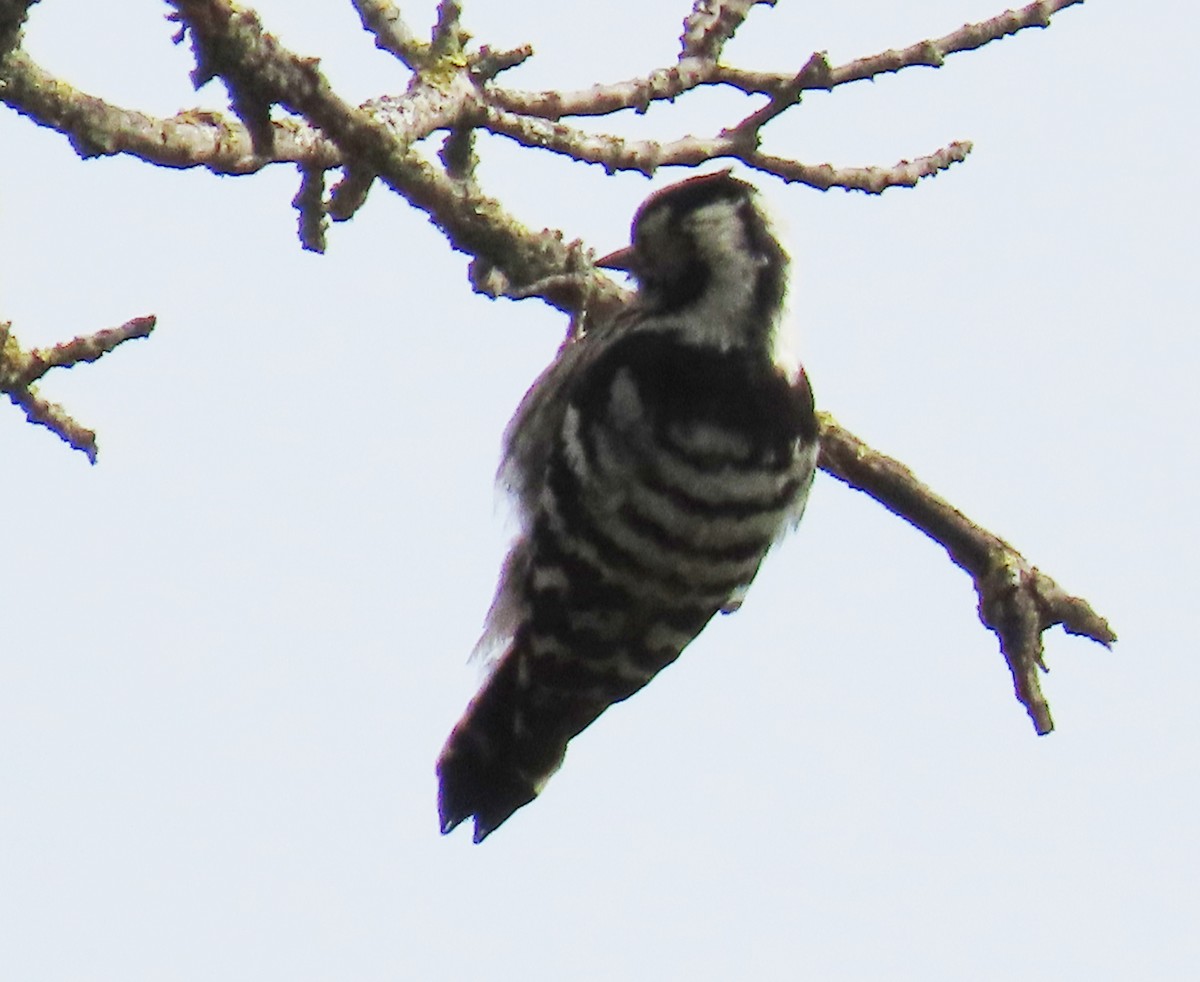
{"x":621,"y":259}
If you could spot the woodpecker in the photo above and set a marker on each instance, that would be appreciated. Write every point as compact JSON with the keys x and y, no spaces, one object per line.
{"x":653,"y":465}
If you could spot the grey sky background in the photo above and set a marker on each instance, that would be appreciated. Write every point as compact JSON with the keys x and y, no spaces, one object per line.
{"x":230,"y":652}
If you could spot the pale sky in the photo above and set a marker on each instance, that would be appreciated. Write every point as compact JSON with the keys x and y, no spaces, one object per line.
{"x":230,"y":652}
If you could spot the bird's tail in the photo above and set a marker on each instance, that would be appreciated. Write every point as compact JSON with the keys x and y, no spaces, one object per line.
{"x":513,"y":737}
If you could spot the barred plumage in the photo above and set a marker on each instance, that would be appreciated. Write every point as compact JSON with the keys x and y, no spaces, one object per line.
{"x":654,"y":463}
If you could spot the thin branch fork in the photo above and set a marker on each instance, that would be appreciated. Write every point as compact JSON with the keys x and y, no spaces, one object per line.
{"x":233,"y":45}
{"x":451,"y":91}
{"x":1017,"y":601}
{"x":696,"y":66}
{"x":19,"y":369}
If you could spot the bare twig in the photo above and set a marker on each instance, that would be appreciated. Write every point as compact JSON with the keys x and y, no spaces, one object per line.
{"x":711,"y":23}
{"x":472,"y":222}
{"x":448,"y":37}
{"x":193,"y":138}
{"x":350,"y":193}
{"x":309,"y":203}
{"x":1016,"y":600}
{"x":12,"y":19}
{"x":871,"y":180}
{"x":926,"y":54}
{"x":646,"y":156}
{"x":662,"y":84}
{"x":694,"y":69}
{"x":384,"y":20}
{"x":229,"y":146}
{"x":198,"y":137}
{"x":488,"y":62}
{"x":19,"y":369}
{"x":814,"y":72}
{"x":706,"y":29}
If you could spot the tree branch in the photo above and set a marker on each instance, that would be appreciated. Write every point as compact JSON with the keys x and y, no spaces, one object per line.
{"x":192,"y":138}
{"x":384,"y":20}
{"x":712,"y":23}
{"x":452,"y":91}
{"x":12,"y":19}
{"x":229,"y":39}
{"x":1017,"y":601}
{"x":872,"y":180}
{"x":694,"y":68}
{"x":19,"y":369}
{"x":739,"y":143}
